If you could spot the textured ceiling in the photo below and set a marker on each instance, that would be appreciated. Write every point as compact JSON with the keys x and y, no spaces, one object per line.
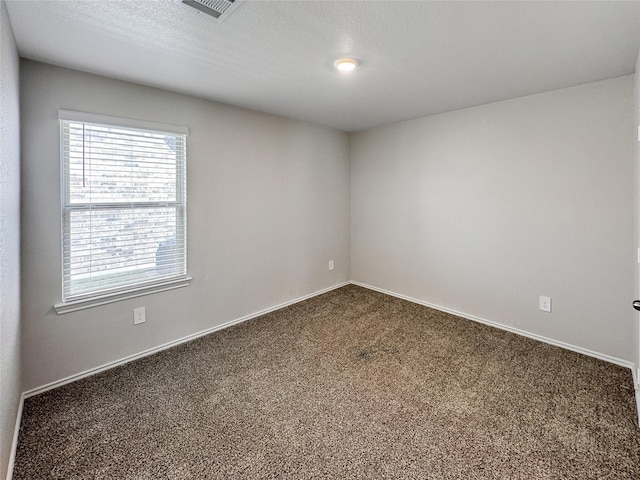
{"x":417,"y":58}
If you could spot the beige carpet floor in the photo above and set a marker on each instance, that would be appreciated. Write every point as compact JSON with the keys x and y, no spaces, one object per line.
{"x":350,"y":384}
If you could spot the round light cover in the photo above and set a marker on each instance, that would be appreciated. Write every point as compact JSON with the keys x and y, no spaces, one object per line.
{"x":346,"y":65}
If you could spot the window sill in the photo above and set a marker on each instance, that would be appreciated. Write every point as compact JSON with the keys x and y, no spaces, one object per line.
{"x":75,"y":305}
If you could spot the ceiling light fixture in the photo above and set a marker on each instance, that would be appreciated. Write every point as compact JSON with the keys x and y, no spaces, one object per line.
{"x":346,"y":65}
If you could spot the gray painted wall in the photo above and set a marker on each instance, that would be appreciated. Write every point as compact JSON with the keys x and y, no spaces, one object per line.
{"x":479,"y":211}
{"x":485,"y":209}
{"x":268,"y":207}
{"x":10,"y":385}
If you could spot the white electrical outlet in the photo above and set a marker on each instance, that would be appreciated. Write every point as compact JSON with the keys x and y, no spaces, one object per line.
{"x":545,"y":304}
{"x":139,"y":315}
{"x":330,"y":264}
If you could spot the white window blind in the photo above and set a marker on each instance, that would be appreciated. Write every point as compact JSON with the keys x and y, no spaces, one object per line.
{"x":123,"y":206}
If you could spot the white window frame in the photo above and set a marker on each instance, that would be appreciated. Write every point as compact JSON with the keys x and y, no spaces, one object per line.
{"x":89,"y":300}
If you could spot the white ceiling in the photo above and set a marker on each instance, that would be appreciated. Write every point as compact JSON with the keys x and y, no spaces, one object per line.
{"x":417,"y":58}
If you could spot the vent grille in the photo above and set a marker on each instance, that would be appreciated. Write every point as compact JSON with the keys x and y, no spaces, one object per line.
{"x":218,"y":9}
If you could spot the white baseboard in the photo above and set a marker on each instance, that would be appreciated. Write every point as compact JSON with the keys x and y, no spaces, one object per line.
{"x":636,"y":385}
{"x":524,"y":333}
{"x":151,"y":351}
{"x":14,"y":443}
{"x":173,"y":343}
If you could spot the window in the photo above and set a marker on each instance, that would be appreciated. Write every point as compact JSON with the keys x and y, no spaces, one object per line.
{"x":123,"y":209}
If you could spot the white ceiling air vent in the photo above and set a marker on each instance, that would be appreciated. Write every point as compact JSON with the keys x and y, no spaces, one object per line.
{"x":218,"y":9}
